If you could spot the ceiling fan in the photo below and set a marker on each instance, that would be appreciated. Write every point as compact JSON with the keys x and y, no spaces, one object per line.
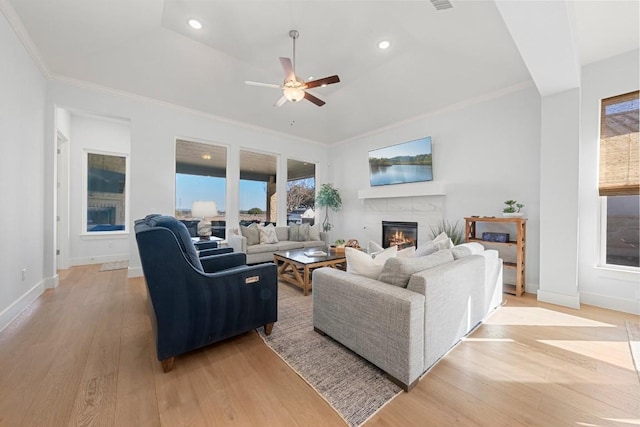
{"x":294,"y":88}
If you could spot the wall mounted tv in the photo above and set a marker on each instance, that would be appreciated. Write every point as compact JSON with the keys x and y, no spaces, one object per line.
{"x":401,"y":163}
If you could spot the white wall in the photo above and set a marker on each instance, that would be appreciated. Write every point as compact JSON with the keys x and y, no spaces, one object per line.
{"x":106,"y":136}
{"x":559,"y":199}
{"x":484,"y":152}
{"x":599,"y":286}
{"x":21,"y":175}
{"x":154,"y":129}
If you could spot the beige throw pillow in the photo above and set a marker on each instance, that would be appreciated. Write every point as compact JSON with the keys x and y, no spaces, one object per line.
{"x":268,"y":234}
{"x":362,"y":264}
{"x":251,"y":233}
{"x":314,"y":232}
{"x":466,"y":249}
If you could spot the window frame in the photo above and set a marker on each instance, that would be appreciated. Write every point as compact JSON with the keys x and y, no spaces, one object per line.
{"x":603,"y":199}
{"x":85,"y":194}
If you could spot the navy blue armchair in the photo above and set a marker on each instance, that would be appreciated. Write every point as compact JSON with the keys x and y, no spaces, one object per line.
{"x":196,"y":301}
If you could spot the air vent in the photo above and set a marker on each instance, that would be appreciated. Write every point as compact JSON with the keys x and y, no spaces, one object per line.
{"x":441,"y":4}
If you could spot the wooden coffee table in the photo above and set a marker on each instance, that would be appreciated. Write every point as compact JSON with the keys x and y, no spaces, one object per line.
{"x":295,"y":266}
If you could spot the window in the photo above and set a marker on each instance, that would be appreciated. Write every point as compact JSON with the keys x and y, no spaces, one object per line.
{"x":619,"y":181}
{"x":106,"y":193}
{"x":201,"y":179}
{"x":258,"y":198}
{"x":301,"y":192}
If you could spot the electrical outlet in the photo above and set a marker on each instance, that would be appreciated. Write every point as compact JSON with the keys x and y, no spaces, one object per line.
{"x":24,"y":274}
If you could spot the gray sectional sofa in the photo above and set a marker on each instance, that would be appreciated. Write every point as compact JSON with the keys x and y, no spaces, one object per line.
{"x":264,"y":252}
{"x":404,"y":330}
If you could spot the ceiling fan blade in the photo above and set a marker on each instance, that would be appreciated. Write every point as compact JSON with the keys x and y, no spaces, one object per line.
{"x":322,"y":82}
{"x":319,"y":102}
{"x":250,"y":83}
{"x":280,"y":102}
{"x":287,"y":67}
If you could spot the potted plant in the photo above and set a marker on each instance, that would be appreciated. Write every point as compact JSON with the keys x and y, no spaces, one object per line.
{"x":328,"y":198}
{"x":513,"y":208}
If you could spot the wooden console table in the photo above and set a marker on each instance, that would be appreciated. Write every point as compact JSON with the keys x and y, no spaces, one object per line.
{"x":519,"y":263}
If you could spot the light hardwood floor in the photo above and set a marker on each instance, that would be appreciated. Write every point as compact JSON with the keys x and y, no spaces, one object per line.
{"x":83,"y":354}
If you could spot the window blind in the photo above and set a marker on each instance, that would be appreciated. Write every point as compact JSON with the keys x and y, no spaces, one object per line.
{"x":619,"y":158}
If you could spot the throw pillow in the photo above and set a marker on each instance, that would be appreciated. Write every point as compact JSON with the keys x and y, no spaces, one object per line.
{"x":362,"y":264}
{"x":442,"y":241}
{"x":299,"y":232}
{"x":408,"y":252}
{"x":251,"y":233}
{"x":425,"y":249}
{"x":268,"y":234}
{"x":398,"y":271}
{"x":466,"y":249}
{"x":294,"y":232}
{"x":314,"y":232}
{"x":304,"y":232}
{"x":373,"y":248}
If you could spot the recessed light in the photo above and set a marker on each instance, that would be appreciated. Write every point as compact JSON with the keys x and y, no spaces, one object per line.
{"x":384,"y":44}
{"x":195,"y":24}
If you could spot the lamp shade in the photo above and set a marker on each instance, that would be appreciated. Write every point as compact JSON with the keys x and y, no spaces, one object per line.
{"x":204,"y":209}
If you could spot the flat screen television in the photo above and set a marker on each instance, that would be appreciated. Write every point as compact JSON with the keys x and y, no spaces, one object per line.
{"x":401,"y":163}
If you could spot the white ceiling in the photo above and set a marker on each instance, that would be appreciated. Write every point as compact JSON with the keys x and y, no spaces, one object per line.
{"x":436,"y":59}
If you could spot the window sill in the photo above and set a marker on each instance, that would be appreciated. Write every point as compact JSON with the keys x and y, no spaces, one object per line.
{"x":104,"y":235}
{"x":618,"y":272}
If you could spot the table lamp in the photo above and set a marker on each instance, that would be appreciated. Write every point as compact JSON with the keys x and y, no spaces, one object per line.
{"x":206,"y":211}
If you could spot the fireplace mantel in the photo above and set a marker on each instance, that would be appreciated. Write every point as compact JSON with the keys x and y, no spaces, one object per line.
{"x":403,"y":190}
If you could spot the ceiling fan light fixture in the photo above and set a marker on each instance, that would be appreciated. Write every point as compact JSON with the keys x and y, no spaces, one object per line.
{"x":195,"y":24}
{"x":293,"y":94}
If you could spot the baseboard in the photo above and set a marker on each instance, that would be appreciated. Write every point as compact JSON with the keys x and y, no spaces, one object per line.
{"x":612,"y":303}
{"x":134,"y":272}
{"x":571,"y":301}
{"x":51,"y":282}
{"x":98,"y":259}
{"x":20,"y":304}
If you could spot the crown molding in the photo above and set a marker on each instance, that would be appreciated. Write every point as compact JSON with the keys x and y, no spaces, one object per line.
{"x":21,"y":32}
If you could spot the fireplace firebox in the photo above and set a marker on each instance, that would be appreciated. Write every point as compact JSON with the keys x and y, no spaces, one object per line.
{"x":401,"y":234}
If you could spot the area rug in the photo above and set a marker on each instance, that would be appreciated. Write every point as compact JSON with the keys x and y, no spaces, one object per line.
{"x":355,"y":388}
{"x":633,"y":330}
{"x":118,"y":265}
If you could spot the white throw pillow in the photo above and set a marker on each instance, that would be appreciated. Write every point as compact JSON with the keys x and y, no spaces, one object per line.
{"x":442,"y":241}
{"x":268,"y":234}
{"x":362,"y":264}
{"x":408,"y":252}
{"x":466,"y":249}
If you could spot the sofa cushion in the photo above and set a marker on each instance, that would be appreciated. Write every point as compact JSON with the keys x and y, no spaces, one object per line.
{"x":397,"y":271}
{"x":251,"y":233}
{"x":408,"y":252}
{"x":268,"y":234}
{"x":466,"y":249}
{"x":262,"y":248}
{"x":282,"y":233}
{"x":363,"y":264}
{"x":314,"y":244}
{"x":287,"y":245}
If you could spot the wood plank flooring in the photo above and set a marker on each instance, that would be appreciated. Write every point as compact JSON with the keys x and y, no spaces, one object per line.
{"x":83,"y":354}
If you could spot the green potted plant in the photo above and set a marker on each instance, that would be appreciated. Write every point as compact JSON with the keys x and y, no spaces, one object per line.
{"x":328,"y":198}
{"x":513,"y":208}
